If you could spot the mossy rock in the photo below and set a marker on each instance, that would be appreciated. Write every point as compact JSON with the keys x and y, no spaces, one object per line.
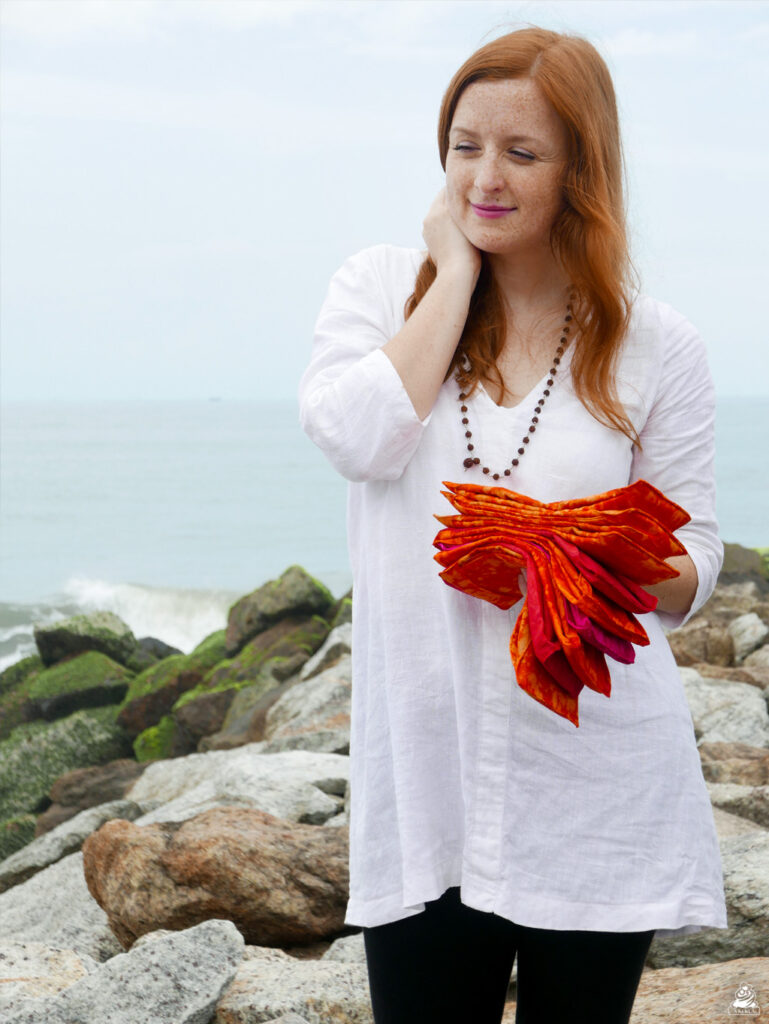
{"x":15,"y":683}
{"x":764,"y":554}
{"x":87,"y":680}
{"x":37,"y":753}
{"x":159,"y":741}
{"x":295,"y":593}
{"x":343,"y":612}
{"x":97,"y":631}
{"x":16,"y":833}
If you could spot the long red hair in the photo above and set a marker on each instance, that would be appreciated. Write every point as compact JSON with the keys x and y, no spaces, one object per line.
{"x":589,"y":235}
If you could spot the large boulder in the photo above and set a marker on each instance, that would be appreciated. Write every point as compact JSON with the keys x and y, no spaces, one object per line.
{"x":750,"y":802}
{"x":314,"y":714}
{"x":295,"y":593}
{"x":698,"y":640}
{"x":98,"y":631}
{"x":702,"y":995}
{"x":743,"y":565}
{"x":748,"y":632}
{"x":177,"y":979}
{"x":757,"y":664}
{"x":735,"y":762}
{"x":726,"y":712}
{"x":30,"y":970}
{"x":83,"y":681}
{"x":277,"y":881}
{"x":14,"y":684}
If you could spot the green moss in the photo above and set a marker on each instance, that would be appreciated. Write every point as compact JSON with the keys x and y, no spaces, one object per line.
{"x":19,"y":672}
{"x":157,"y":741}
{"x":15,"y":833}
{"x":764,"y":553}
{"x":14,"y":692}
{"x":83,"y":672}
{"x":208,"y":652}
{"x":37,"y":753}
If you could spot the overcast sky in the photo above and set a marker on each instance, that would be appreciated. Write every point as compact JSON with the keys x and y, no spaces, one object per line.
{"x":180,"y":178}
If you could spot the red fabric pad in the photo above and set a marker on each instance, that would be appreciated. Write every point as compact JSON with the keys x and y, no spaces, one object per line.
{"x":586,"y":560}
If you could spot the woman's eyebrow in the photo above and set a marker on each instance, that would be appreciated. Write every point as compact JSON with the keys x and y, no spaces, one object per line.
{"x":508,"y":138}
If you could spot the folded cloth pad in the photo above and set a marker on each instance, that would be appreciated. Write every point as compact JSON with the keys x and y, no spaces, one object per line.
{"x":586,"y":561}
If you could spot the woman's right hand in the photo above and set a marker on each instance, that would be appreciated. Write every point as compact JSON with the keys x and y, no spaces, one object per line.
{"x":449,"y":247}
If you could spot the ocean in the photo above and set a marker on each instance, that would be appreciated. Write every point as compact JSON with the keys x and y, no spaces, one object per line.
{"x":166,"y":512}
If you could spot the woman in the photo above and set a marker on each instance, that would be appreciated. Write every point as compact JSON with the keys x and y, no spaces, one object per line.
{"x":514,"y":352}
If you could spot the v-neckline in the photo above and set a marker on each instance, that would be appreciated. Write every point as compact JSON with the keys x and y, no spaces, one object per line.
{"x":538,"y":388}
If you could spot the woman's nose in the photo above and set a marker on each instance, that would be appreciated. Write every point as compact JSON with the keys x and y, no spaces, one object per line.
{"x":489,"y":176}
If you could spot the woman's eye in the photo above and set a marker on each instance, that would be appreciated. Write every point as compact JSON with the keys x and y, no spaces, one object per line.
{"x":464,"y":147}
{"x":522,"y":154}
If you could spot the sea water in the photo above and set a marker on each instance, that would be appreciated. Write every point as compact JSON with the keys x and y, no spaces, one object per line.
{"x":166,"y":512}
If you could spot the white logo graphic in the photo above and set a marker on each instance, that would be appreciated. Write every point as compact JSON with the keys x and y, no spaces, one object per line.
{"x":744,"y":1003}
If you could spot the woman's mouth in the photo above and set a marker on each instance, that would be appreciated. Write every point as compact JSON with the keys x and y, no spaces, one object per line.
{"x":491,"y":211}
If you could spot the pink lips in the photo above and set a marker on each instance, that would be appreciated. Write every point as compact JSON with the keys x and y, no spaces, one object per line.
{"x":491,"y":211}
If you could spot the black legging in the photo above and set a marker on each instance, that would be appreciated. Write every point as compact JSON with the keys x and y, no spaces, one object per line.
{"x":451,"y":964}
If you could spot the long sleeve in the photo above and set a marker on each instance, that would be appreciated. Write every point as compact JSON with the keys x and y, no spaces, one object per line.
{"x":678,"y":448}
{"x":352,"y":403}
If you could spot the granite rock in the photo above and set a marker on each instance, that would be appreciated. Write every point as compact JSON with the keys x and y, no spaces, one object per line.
{"x":748,"y":633}
{"x":726,"y":712}
{"x":98,"y":631}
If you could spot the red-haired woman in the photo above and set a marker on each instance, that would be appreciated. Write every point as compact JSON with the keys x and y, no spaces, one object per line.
{"x":514,"y":352}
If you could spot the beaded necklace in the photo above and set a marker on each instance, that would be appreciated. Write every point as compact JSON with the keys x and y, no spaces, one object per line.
{"x":473,"y":460}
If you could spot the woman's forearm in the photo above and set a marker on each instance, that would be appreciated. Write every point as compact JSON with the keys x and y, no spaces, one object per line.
{"x":422,"y":350}
{"x":676,"y":595}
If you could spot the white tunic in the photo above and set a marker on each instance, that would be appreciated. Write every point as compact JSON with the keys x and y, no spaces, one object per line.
{"x":458,"y":777}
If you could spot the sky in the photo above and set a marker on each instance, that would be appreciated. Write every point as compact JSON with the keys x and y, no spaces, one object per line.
{"x":179,"y":179}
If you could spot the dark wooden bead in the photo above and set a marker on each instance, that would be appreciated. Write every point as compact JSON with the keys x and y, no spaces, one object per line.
{"x":546,"y":392}
{"x":476,"y":461}
{"x":465,"y":419}
{"x":549,"y":384}
{"x":515,"y":462}
{"x":568,"y":317}
{"x":525,"y":440}
{"x":467,"y":463}
{"x":496,"y":476}
{"x":535,"y":419}
{"x":464,"y":408}
{"x":532,"y":428}
{"x":557,"y":360}
{"x":485,"y":469}
{"x":468,"y":433}
{"x":470,"y":447}
{"x":552,"y":370}
{"x":520,"y":451}
{"x":462,"y":396}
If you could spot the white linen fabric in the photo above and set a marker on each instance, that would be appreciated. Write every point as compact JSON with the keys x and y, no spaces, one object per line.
{"x":458,"y":777}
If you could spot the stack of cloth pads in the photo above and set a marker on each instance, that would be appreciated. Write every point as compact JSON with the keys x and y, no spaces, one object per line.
{"x":586,"y":562}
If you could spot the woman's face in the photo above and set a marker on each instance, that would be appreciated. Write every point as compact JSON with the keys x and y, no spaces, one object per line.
{"x":507,"y":150}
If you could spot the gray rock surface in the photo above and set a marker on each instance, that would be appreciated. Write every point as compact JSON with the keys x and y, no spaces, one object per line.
{"x":298,"y":786}
{"x":33,"y":970}
{"x":63,"y":840}
{"x":314,"y":714}
{"x":337,"y":643}
{"x":758,"y":664}
{"x":726,"y":712}
{"x":177,"y":979}
{"x":751,"y":802}
{"x":318,"y":990}
{"x":748,"y":633}
{"x":99,"y":631}
{"x":55,"y":907}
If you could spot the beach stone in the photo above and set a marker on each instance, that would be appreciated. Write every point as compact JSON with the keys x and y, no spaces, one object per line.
{"x":730,"y":673}
{"x":98,"y":631}
{"x":245,"y":720}
{"x":14,"y":684}
{"x":278,"y":881}
{"x":55,"y":907}
{"x":153,"y":693}
{"x":294,"y":593}
{"x":743,"y":566}
{"x":177,"y":980}
{"x":63,"y":840}
{"x":348,"y":949}
{"x":336,"y":645}
{"x":726,"y":712}
{"x":313,"y":715}
{"x":700,"y":641}
{"x":745,"y":861}
{"x":343,"y":612}
{"x":730,"y":825}
{"x":699,"y":995}
{"x":15,"y":833}
{"x":735,"y":762}
{"x":319,"y":991}
{"x":37,"y":753}
{"x":30,"y":970}
{"x":82,"y":681}
{"x":757,"y":664}
{"x":297,"y":786}
{"x":81,"y":788}
{"x":750,"y":802}
{"x":748,"y":633}
{"x":157,"y":649}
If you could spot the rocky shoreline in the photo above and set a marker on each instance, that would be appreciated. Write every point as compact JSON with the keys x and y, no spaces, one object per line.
{"x":174,"y":828}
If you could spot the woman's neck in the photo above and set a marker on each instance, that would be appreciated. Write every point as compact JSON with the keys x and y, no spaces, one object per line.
{"x":534,"y":282}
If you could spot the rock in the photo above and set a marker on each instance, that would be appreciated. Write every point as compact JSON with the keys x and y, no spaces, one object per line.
{"x":730,"y":825}
{"x":154,"y":692}
{"x":730,"y":600}
{"x":337,"y":643}
{"x":279,"y":882}
{"x":699,"y":995}
{"x":245,"y":720}
{"x":55,"y":907}
{"x":343,"y":611}
{"x":36,"y":754}
{"x":74,"y":791}
{"x":14,"y":684}
{"x":177,"y":979}
{"x":295,"y":593}
{"x":349,"y":949}
{"x":167,"y":739}
{"x":99,"y":631}
{"x":745,"y":860}
{"x":726,"y":712}
{"x":748,"y":633}
{"x":757,"y":664}
{"x":157,"y":649}
{"x":750,"y":802}
{"x":318,"y":991}
{"x":15,"y":833}
{"x":743,"y":565}
{"x":297,"y":786}
{"x":63,"y":840}
{"x":35,"y":970}
{"x":83,"y":681}
{"x":699,"y":641}
{"x":313,"y":715}
{"x":735,"y":762}
{"x":203,"y":715}
{"x":730,"y":673}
